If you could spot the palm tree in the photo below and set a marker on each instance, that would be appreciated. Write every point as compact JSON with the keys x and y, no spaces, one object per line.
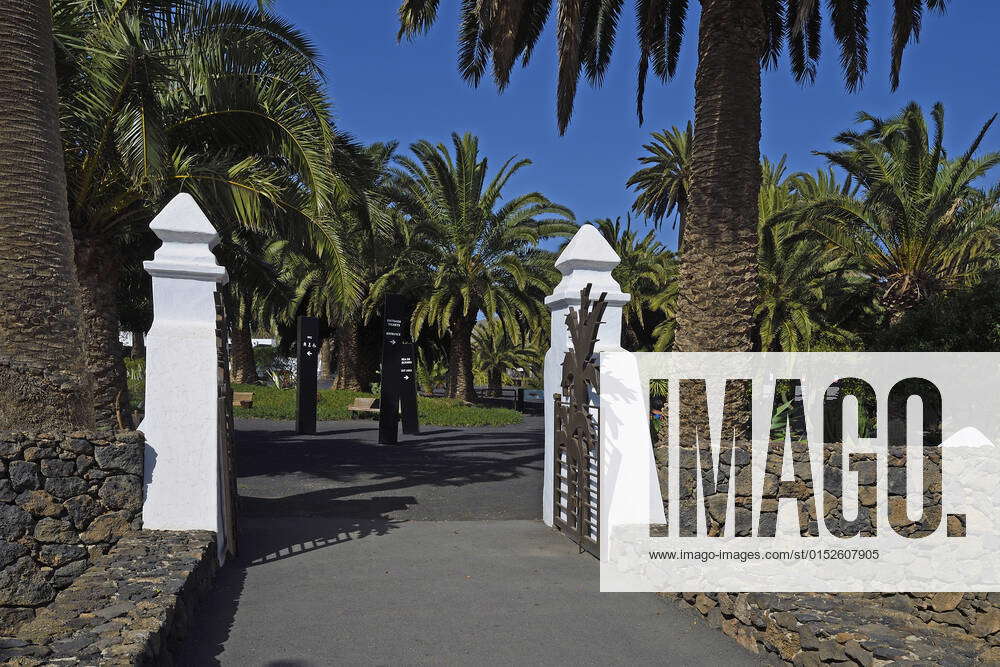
{"x":254,"y":299}
{"x":375,"y":239}
{"x":648,"y":271}
{"x":736,"y":38}
{"x":432,"y":371}
{"x":662,"y":186}
{"x":498,"y":351}
{"x":312,"y":284}
{"x":808,"y":290}
{"x":474,"y":255}
{"x":135,"y":290}
{"x":43,"y":377}
{"x":920,"y":227}
{"x":216,"y":99}
{"x":244,"y":366}
{"x":309,"y":282}
{"x":805,"y":287}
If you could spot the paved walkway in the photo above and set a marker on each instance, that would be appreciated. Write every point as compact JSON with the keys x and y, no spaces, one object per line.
{"x":431,"y":552}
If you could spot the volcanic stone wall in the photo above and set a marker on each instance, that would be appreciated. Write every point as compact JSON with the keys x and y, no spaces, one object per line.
{"x":133,"y":606}
{"x":64,"y":499}
{"x":803,"y":489}
{"x":846,"y":628}
{"x":841,"y":628}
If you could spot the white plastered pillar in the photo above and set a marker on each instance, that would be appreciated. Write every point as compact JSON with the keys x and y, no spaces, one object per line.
{"x":587,"y":259}
{"x":181,"y":419}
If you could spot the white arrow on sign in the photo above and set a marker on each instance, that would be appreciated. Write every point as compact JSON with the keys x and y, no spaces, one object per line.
{"x":406,"y":377}
{"x":309,"y":353}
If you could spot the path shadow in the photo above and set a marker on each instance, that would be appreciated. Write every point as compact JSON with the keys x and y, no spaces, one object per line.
{"x":302,"y":494}
{"x":355,"y":487}
{"x":275,"y":467}
{"x":301,"y":535}
{"x":214,"y":618}
{"x":263,"y":542}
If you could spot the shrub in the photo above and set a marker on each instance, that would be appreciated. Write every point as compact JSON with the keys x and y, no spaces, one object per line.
{"x":269,"y":359}
{"x":962,"y":321}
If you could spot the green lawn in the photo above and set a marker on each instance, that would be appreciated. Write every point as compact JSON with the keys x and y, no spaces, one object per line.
{"x":272,"y":403}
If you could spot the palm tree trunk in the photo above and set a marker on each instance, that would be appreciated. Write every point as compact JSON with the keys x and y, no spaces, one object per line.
{"x":496,"y":383}
{"x":43,"y":375}
{"x":449,"y":389}
{"x":718,"y":268}
{"x":97,"y":262}
{"x":138,"y":345}
{"x":326,"y":359}
{"x":353,"y":369}
{"x":463,"y":384}
{"x":718,"y":277}
{"x":897,"y":303}
{"x":241,"y":351}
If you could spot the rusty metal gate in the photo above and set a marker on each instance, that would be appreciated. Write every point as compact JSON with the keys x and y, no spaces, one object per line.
{"x":227,"y":469}
{"x":577,"y":430}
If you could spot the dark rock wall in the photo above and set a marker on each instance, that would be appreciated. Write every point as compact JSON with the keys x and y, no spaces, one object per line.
{"x":838,"y":629}
{"x":814,"y":628}
{"x":133,"y":605}
{"x":739,"y":475}
{"x":64,"y":499}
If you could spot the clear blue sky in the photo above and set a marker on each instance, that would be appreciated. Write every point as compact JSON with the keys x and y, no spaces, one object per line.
{"x":382,"y":90}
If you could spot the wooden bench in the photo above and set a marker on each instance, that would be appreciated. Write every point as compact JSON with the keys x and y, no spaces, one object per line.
{"x":242,"y":399}
{"x":363,"y":406}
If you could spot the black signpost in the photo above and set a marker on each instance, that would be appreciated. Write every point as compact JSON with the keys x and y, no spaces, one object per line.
{"x":307,"y":360}
{"x":408,"y":383}
{"x":399,"y":377}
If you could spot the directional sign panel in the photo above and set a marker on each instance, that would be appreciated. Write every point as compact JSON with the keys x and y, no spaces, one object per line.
{"x":408,"y":385}
{"x":308,"y":359}
{"x":399,"y":377}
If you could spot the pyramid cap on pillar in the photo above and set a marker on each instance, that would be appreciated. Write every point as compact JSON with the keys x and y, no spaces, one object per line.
{"x":588,"y":249}
{"x":183,"y":221}
{"x":587,"y":259}
{"x":188,"y":238}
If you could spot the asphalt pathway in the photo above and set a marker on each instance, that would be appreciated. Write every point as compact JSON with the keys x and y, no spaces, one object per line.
{"x":429,"y":552}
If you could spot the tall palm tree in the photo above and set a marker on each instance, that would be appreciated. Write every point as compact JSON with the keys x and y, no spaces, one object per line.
{"x":920,"y":227}
{"x":43,"y":376}
{"x":648,"y":271}
{"x":375,"y":238}
{"x":662,"y":186}
{"x":216,"y":99}
{"x":475,"y":254}
{"x":312,"y":285}
{"x":736,"y":38}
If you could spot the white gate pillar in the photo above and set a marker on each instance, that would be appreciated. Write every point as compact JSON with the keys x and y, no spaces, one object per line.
{"x":587,"y":259}
{"x":181,"y":419}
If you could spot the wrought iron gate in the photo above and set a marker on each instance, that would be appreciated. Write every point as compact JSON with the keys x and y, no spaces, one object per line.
{"x":577,"y":430}
{"x":227,"y":471}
